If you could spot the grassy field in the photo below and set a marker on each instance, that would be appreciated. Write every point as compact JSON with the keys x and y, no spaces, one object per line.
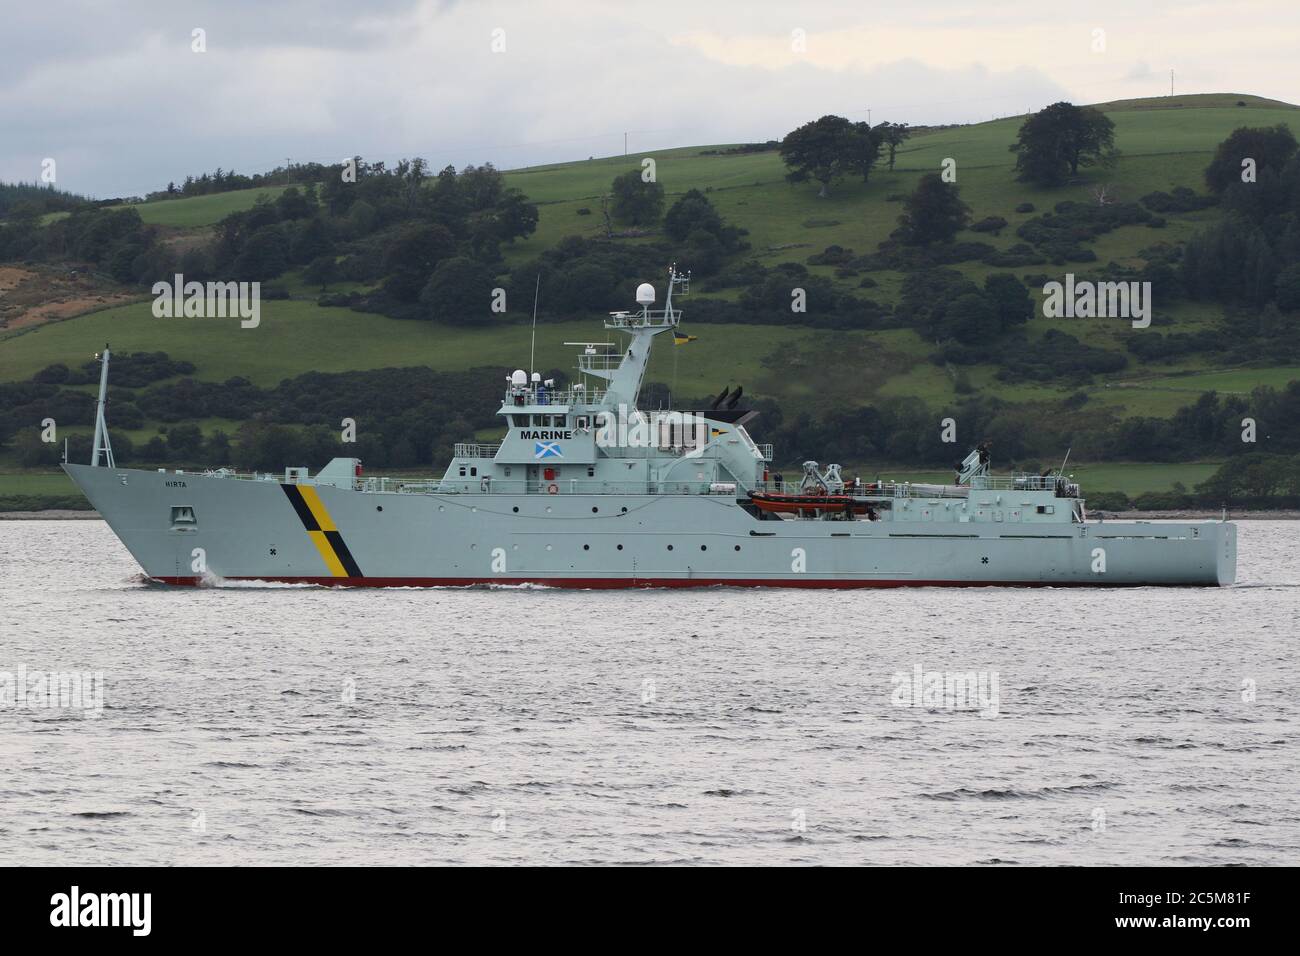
{"x":36,"y":483}
{"x":295,"y":337}
{"x":202,"y":210}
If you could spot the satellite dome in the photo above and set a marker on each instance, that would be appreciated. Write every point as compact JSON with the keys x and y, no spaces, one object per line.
{"x":520,"y":377}
{"x":645,"y":293}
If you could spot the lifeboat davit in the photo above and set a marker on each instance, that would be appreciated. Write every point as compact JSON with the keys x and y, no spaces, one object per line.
{"x":778,"y":502}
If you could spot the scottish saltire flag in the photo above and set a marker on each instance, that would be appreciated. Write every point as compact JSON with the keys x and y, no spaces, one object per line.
{"x":547,"y":449}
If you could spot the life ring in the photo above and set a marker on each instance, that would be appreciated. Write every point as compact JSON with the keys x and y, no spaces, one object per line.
{"x":552,"y":489}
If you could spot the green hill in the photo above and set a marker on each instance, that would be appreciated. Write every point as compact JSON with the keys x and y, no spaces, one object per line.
{"x":1164,"y":143}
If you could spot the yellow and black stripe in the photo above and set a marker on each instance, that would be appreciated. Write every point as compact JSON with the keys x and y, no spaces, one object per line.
{"x":320,"y":526}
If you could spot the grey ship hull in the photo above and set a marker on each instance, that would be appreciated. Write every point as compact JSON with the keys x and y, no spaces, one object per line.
{"x":264,"y":530}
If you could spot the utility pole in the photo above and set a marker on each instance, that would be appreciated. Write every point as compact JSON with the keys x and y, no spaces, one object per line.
{"x":1171,"y":82}
{"x":286,"y":170}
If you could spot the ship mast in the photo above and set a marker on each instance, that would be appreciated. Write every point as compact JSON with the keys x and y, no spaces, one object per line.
{"x":102,"y":446}
{"x":625,"y":379}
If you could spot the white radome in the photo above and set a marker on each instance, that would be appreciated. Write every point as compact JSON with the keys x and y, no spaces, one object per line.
{"x":645,"y":293}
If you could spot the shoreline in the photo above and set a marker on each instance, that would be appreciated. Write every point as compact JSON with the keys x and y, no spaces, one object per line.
{"x":64,"y":514}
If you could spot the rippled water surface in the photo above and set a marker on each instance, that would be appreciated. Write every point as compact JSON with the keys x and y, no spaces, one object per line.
{"x":261,"y":725}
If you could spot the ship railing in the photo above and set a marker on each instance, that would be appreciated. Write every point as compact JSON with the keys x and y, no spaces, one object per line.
{"x":1054,"y":483}
{"x":470,"y":449}
{"x":568,"y":486}
{"x":870,"y":489}
{"x":599,"y":361}
{"x":649,"y":319}
{"x":532,"y":395}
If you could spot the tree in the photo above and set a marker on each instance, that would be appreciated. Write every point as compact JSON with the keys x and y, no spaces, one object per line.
{"x":635,"y":201}
{"x":262,"y":256}
{"x":311,"y":240}
{"x":1269,"y":146}
{"x":1010,"y":298}
{"x":292,"y":204}
{"x":321,"y":271}
{"x":1053,"y":143}
{"x":513,"y":217}
{"x":1288,"y":288}
{"x":933,"y":212}
{"x":693,"y":211}
{"x":412,"y":256}
{"x":459,"y":291}
{"x":892,"y":135}
{"x":970,"y":319}
{"x":821,"y":150}
{"x":862,"y":149}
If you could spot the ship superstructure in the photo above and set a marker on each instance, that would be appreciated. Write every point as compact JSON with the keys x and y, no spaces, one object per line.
{"x":586,"y":489}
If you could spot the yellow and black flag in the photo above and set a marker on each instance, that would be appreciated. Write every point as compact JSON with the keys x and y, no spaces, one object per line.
{"x":681,"y":338}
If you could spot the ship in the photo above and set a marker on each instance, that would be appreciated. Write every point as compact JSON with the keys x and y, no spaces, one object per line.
{"x":586,"y":489}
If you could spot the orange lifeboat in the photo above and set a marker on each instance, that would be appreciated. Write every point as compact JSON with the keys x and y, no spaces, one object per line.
{"x":809,"y":505}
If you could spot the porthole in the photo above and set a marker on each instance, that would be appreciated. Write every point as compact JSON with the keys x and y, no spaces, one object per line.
{"x":586,"y":547}
{"x":548,"y":547}
{"x":625,"y":511}
{"x":704,"y":547}
{"x":737,"y":547}
{"x":620,"y":547}
{"x":670,"y":547}
{"x":594,"y":509}
{"x":516,"y":509}
{"x":379,"y":507}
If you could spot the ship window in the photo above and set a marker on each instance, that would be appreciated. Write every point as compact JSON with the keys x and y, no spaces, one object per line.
{"x":507,"y":470}
{"x":539,"y":420}
{"x":586,"y":547}
{"x":474,"y":472}
{"x":704,"y":547}
{"x":620,"y":547}
{"x":582,"y":421}
{"x":462,"y":471}
{"x":1047,"y":509}
{"x":737,"y":547}
{"x":670,"y":547}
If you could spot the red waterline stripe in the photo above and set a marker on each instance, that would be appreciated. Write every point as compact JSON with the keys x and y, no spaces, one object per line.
{"x":611,"y":583}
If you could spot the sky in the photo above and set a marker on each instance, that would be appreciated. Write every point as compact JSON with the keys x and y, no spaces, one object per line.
{"x":116,"y":93}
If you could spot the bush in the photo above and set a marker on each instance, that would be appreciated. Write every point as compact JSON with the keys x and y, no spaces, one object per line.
{"x":1107,"y":501}
{"x":1181,"y":199}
